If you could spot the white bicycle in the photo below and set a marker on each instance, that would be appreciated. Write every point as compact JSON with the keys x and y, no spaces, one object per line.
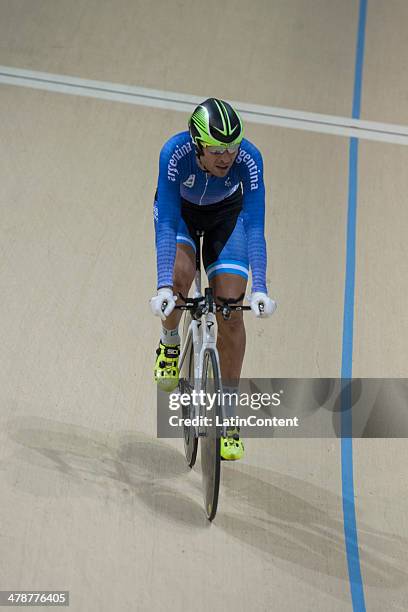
{"x":200,"y":371}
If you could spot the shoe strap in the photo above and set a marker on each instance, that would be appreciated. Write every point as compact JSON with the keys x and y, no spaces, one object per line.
{"x":233,"y":432}
{"x":170,"y":351}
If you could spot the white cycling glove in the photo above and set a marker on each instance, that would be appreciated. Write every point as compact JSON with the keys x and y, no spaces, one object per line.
{"x":261,"y":304}
{"x":162,"y":304}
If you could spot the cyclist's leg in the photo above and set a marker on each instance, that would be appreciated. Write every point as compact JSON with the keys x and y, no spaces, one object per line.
{"x":228,"y":276}
{"x":231,"y":340}
{"x":231,"y":336}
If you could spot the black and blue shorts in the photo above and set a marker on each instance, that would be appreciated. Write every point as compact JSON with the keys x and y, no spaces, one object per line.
{"x":225,"y":245}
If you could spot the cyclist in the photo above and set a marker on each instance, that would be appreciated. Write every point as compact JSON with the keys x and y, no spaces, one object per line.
{"x":211,"y":179}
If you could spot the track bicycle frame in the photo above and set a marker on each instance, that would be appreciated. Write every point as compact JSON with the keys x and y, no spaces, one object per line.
{"x":200,"y":337}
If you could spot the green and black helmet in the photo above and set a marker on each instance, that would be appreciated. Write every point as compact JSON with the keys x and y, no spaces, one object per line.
{"x":214,"y":123}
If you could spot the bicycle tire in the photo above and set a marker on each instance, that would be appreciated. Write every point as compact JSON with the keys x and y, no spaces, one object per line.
{"x":186,"y":385}
{"x":210,"y":439}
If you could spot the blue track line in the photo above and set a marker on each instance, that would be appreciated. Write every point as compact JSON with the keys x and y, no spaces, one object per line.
{"x":349,"y":513}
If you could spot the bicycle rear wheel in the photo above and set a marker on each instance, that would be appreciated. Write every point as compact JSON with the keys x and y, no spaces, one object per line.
{"x":210,"y":440}
{"x":186,"y":385}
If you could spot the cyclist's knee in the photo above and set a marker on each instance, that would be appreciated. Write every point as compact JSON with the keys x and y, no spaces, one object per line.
{"x":228,"y":286}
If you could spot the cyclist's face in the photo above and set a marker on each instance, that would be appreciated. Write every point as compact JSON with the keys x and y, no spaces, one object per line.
{"x":218,"y":164}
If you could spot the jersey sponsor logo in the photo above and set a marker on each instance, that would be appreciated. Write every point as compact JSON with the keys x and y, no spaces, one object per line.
{"x":244,"y":157}
{"x":190,"y":181}
{"x":228,"y":182}
{"x":178,"y":154}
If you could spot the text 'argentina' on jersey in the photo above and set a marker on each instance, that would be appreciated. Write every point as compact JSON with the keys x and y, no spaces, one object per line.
{"x":244,"y":157}
{"x":178,"y":154}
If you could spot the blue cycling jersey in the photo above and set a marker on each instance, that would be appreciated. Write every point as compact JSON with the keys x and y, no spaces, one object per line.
{"x":181,"y":177}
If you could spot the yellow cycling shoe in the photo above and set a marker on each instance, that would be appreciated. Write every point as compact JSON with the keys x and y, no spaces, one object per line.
{"x":232,"y":447}
{"x":166,"y":370}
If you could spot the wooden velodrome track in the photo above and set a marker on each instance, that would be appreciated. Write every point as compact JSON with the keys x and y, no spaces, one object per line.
{"x":91,"y":500}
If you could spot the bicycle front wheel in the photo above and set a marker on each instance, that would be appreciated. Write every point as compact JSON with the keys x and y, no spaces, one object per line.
{"x":210,"y":440}
{"x":186,"y":385}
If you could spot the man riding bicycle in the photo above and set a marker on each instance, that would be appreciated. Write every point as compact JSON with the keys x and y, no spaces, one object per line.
{"x":211,"y":179}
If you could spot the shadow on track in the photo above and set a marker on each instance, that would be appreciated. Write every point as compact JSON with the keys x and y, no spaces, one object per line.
{"x":115,"y":465}
{"x":299,"y":523}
